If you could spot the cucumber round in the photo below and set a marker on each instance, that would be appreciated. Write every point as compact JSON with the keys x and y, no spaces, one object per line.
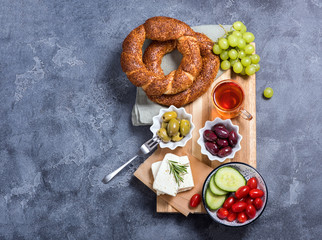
{"x":215,"y":189}
{"x":214,"y":201}
{"x":229,"y":179}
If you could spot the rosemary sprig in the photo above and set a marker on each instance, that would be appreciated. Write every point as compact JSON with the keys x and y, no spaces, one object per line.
{"x":178,"y":170}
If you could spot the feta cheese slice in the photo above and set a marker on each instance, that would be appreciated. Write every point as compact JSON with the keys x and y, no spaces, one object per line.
{"x":168,"y":178}
{"x":164,"y":181}
{"x":155,"y":168}
{"x":187,"y":183}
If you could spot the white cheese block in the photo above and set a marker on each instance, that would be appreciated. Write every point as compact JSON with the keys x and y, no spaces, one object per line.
{"x":164,"y":181}
{"x":169,"y":185}
{"x":187,"y":183}
{"x":155,"y":168}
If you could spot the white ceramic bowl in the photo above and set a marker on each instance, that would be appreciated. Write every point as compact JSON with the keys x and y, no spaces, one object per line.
{"x":230,"y":126}
{"x":182,"y":114}
{"x":248,"y":172}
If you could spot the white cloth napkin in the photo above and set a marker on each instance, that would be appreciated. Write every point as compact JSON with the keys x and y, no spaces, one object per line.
{"x":144,"y":109}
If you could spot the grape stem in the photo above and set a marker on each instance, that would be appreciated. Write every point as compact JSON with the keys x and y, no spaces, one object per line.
{"x":226,"y":33}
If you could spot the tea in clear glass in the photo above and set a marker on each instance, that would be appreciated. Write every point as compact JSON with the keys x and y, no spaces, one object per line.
{"x":228,"y":98}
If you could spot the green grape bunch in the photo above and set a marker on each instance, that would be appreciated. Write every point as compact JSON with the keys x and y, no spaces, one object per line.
{"x":236,"y":52}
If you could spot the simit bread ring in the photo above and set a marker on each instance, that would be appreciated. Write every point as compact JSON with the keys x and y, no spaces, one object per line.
{"x":162,"y":29}
{"x":200,"y":85}
{"x":153,"y":54}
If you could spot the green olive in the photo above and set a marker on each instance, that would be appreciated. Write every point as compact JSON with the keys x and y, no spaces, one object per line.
{"x":184,"y":127}
{"x":164,"y":125}
{"x":173,"y":127}
{"x":162,"y":133}
{"x":177,"y":137}
{"x":168,"y":116}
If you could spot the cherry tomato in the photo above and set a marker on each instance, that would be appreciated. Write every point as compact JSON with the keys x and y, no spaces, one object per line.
{"x":249,"y":200}
{"x":256,"y":193}
{"x":195,"y":200}
{"x":250,"y":211}
{"x":258,"y":203}
{"x":241,"y":217}
{"x":222,"y":213}
{"x":231,"y":217}
{"x":242,"y":192}
{"x":242,"y":200}
{"x":238,"y":207}
{"x":229,"y":202}
{"x":252,"y":183}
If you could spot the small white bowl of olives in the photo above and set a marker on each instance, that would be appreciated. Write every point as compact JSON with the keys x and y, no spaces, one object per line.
{"x":174,"y":127}
{"x":219,"y":139}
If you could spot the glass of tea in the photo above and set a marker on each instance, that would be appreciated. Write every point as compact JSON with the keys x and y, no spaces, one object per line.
{"x":228,"y":98}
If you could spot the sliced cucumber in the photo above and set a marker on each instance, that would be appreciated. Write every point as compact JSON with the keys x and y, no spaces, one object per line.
{"x":229,"y":179}
{"x":214,"y":201}
{"x":214,"y":189}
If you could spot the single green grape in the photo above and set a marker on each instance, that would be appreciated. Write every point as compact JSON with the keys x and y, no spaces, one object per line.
{"x":243,"y":29}
{"x":216,"y":49}
{"x":241,"y":43}
{"x":268,"y":92}
{"x":238,"y":67}
{"x":225,"y":65}
{"x":233,"y":61}
{"x":237,"y":25}
{"x":233,"y":54}
{"x":255,"y":58}
{"x":257,"y":66}
{"x":249,"y":49}
{"x":237,"y":34}
{"x":232,"y":40}
{"x":241,"y":54}
{"x":223,"y":43}
{"x":224,"y":55}
{"x":246,"y":61}
{"x":248,"y":37}
{"x":250,"y":70}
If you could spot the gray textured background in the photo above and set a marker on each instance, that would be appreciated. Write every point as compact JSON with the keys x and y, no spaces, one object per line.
{"x":65,"y":120}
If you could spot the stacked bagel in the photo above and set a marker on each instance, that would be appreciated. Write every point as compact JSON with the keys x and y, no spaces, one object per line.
{"x":195,"y":74}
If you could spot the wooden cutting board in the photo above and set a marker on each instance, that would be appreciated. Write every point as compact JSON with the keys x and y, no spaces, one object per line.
{"x":202,"y":110}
